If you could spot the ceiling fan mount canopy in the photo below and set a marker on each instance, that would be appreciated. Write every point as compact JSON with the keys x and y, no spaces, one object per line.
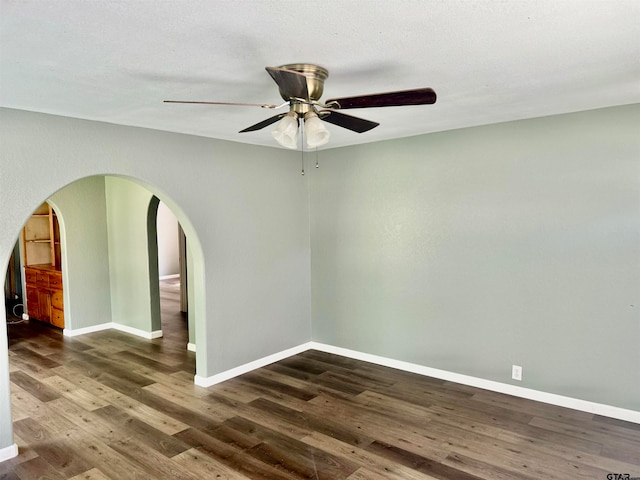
{"x":315,"y":76}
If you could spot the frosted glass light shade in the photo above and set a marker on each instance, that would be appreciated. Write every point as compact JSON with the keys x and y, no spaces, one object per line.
{"x":315,"y":131}
{"x":286,"y":132}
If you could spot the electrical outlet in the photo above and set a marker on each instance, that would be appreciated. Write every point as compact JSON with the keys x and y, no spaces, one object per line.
{"x":516,"y":372}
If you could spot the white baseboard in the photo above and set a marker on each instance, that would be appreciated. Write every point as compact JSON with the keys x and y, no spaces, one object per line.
{"x":247,"y":367}
{"x":191,"y":347}
{"x":137,"y":332}
{"x":543,"y":397}
{"x":111,"y":325}
{"x":82,"y":331}
{"x":8,"y":452}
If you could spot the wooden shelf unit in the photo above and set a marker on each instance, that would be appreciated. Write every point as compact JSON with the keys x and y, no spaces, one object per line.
{"x":42,"y":262}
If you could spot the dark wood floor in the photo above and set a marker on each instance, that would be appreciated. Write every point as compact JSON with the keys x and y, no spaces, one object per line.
{"x":110,"y":405}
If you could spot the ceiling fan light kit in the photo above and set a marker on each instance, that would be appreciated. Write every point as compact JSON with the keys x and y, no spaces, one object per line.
{"x":315,"y":132}
{"x":301,"y":85}
{"x":286,"y":132}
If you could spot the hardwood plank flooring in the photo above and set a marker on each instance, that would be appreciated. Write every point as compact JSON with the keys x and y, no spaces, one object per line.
{"x":109,"y":405}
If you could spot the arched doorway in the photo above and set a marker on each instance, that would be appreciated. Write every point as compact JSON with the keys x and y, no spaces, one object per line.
{"x":90,"y":274}
{"x":168,"y":273}
{"x":107,"y":241}
{"x":93,"y":232}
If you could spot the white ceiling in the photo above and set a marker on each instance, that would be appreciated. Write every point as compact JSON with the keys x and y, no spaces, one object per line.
{"x":488,"y":60}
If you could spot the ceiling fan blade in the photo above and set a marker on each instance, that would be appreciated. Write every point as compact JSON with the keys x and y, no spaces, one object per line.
{"x":291,"y":84}
{"x":355,"y":124}
{"x":419,"y":96}
{"x":263,"y":105}
{"x":264,"y":123}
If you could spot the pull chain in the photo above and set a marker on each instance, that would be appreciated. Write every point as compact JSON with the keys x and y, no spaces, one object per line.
{"x":302,"y":144}
{"x":317,"y":158}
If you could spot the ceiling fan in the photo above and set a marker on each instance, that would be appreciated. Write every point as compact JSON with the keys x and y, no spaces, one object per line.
{"x":301,"y":86}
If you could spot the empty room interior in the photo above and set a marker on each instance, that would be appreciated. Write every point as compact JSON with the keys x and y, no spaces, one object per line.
{"x":408,"y":238}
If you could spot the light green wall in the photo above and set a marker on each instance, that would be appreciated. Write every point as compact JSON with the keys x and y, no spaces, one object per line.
{"x":81,"y":211}
{"x":246,"y":206}
{"x":131,"y":296}
{"x":244,"y":209}
{"x":476,"y":249}
{"x":467,"y":251}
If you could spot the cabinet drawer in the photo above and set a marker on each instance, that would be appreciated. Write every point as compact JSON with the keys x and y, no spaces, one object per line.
{"x":30,"y":276}
{"x":33,"y":303}
{"x":42,"y":279}
{"x":56,"y":299}
{"x":44,"y":305}
{"x":57,"y":317}
{"x":55,"y":280}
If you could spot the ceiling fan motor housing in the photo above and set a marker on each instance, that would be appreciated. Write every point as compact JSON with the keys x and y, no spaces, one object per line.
{"x":315,"y":74}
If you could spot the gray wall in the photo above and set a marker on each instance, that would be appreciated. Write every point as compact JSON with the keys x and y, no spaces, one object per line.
{"x":82,"y":214}
{"x":476,"y":249}
{"x":247,"y":206}
{"x":127,"y":207}
{"x":467,"y":251}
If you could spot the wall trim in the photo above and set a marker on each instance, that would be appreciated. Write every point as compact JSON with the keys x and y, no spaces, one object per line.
{"x":528,"y":393}
{"x":8,"y":452}
{"x":137,"y":332}
{"x":247,"y":367}
{"x":67,"y":332}
{"x":115,"y":326}
{"x":514,"y":390}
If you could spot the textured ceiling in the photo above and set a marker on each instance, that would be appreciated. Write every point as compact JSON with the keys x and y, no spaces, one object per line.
{"x":489,"y":61}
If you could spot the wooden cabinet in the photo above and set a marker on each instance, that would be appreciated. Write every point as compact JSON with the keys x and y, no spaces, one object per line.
{"x":41,"y":238}
{"x":42,"y":259}
{"x":44,"y":294}
{"x":57,"y":309}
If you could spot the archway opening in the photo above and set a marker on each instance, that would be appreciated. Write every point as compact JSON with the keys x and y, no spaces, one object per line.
{"x":168,"y":274}
{"x":108,"y":282}
{"x":85,"y":209}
